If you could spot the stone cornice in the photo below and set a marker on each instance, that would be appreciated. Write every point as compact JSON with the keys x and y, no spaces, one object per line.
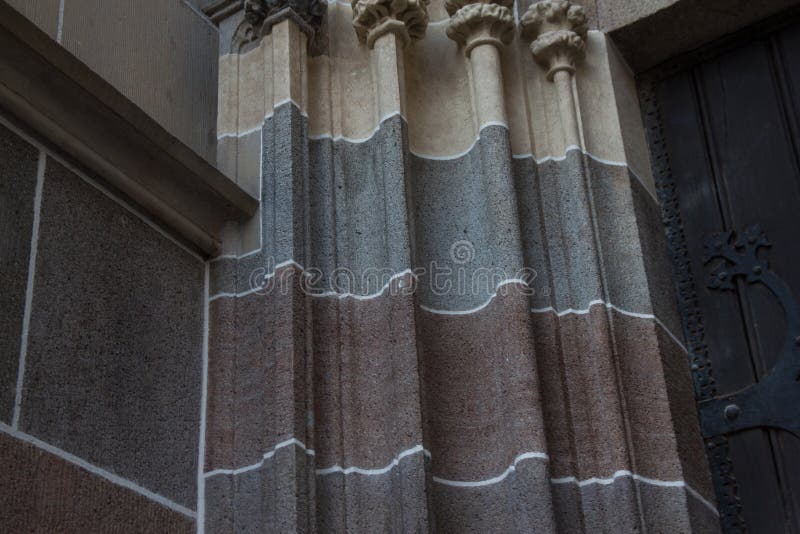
{"x":557,"y":31}
{"x":473,"y":24}
{"x":373,"y":18}
{"x":82,"y":117}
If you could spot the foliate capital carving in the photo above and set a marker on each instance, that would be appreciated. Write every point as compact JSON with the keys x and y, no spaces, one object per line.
{"x":452,"y":6}
{"x":261,"y":15}
{"x":374,"y":18}
{"x":557,"y":31}
{"x":473,"y":24}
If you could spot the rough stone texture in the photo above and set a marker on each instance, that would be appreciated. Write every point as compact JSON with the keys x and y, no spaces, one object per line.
{"x":395,"y":501}
{"x":481,"y":397}
{"x":41,"y":493}
{"x":653,"y":243}
{"x":18,"y":163}
{"x":367,"y":378}
{"x":506,"y":506}
{"x":466,"y":225}
{"x":366,"y":385}
{"x":114,"y":356}
{"x":358,"y":214}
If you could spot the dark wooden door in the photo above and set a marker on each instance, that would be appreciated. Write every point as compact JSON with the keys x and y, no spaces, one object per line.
{"x":725,"y":133}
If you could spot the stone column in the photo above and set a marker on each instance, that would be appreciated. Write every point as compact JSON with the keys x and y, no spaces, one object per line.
{"x":622,"y":400}
{"x":482,"y":28}
{"x":386,"y":28}
{"x":259,"y":465}
{"x":558,"y":31}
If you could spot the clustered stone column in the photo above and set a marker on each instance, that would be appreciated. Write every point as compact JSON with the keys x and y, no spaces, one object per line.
{"x":482,"y":28}
{"x":387,"y":26}
{"x":557,"y":31}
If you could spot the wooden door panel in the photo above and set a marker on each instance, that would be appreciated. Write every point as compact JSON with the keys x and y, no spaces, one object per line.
{"x":730,"y":132}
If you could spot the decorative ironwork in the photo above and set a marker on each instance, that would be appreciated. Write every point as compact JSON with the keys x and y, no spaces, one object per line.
{"x":775,"y":400}
{"x":725,"y":485}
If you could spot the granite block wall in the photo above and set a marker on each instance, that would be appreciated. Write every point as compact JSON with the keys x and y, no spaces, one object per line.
{"x":101,"y":356}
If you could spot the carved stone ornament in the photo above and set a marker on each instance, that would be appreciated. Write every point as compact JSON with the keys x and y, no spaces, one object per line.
{"x":557,"y":31}
{"x":261,"y":15}
{"x":374,"y":18}
{"x":476,"y":23}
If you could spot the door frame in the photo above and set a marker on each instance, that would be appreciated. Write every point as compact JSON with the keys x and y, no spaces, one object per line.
{"x":717,"y":449}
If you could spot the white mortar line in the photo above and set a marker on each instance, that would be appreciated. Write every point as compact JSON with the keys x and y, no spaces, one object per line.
{"x":461,"y":154}
{"x":60,"y":27}
{"x":531,"y":455}
{"x":26,"y":317}
{"x":571,"y":311}
{"x":477,"y":308}
{"x":494,"y":480}
{"x":234,"y":256}
{"x":369,"y":296}
{"x":266,"y":456}
{"x":265,"y":119}
{"x":356,"y":140}
{"x":83,"y":176}
{"x":457,"y":155}
{"x":708,"y":504}
{"x":201,"y":450}
{"x":373,"y":472}
{"x":624,"y":473}
{"x":549,"y":309}
{"x":326,"y":294}
{"x":111,"y":477}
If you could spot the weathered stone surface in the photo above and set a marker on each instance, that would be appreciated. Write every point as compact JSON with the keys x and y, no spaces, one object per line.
{"x":115,"y":344}
{"x":40,"y":492}
{"x":17,"y":188}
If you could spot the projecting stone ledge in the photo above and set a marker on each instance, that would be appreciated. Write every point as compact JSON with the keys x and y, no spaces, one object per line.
{"x":81,"y":114}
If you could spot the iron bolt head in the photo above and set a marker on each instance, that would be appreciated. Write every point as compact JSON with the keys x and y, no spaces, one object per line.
{"x":757,"y":269}
{"x":797,"y":341}
{"x":731,"y":412}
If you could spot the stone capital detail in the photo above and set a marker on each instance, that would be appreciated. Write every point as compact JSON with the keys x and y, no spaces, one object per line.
{"x":557,"y":31}
{"x":261,"y":15}
{"x":476,"y":23}
{"x":374,"y":18}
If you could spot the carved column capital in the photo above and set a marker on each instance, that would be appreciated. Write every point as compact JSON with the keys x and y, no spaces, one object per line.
{"x":557,"y":31}
{"x":408,"y":19}
{"x":474,"y":23}
{"x":261,"y":15}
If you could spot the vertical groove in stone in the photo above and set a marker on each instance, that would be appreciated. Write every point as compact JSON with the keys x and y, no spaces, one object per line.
{"x":366,"y":379}
{"x":490,"y":389}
